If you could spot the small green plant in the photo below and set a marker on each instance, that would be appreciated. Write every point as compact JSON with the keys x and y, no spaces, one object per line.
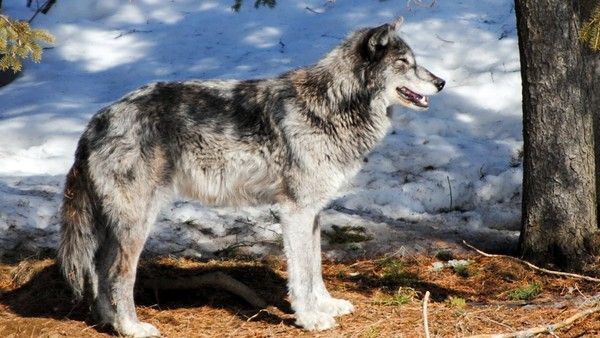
{"x":526,"y":292}
{"x":19,"y":41}
{"x":463,"y":271}
{"x":354,"y":247}
{"x":457,"y":302}
{"x":393,"y":273}
{"x":346,"y":234}
{"x":462,"y":268}
{"x":444,"y":255}
{"x":590,"y":31}
{"x":404,"y":295}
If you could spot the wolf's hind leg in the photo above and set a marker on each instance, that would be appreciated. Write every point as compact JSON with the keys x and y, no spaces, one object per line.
{"x":126,"y":232}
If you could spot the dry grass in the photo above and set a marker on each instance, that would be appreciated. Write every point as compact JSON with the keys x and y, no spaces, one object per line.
{"x":387,"y":293}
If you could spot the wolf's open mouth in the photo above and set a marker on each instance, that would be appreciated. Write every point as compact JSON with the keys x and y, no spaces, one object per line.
{"x":415,"y":98}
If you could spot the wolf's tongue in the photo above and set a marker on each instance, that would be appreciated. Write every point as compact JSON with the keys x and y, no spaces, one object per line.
{"x":409,"y":93}
{"x":416,"y":98}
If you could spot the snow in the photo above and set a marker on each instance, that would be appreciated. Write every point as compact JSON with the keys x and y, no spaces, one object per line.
{"x":443,"y":175}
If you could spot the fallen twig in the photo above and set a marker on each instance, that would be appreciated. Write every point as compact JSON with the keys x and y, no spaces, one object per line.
{"x":131,"y":32}
{"x":543,"y":328}
{"x":385,"y":257}
{"x":493,"y":321}
{"x":442,"y":39}
{"x":217,"y":280}
{"x":257,"y":314}
{"x":450,"y":187}
{"x":552,"y":272}
{"x":426,"y":315}
{"x":312,"y":10}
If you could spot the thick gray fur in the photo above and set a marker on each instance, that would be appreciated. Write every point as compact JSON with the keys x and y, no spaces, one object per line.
{"x":290,"y":141}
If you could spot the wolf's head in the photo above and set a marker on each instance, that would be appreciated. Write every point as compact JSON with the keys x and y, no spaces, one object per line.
{"x":395,"y":69}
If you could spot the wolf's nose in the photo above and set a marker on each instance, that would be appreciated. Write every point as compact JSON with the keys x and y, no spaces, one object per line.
{"x":439,"y":83}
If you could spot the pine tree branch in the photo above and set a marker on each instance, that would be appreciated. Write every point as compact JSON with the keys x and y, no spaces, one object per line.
{"x":7,"y":20}
{"x":551,"y":272}
{"x":46,"y":7}
{"x":42,"y":9}
{"x":590,"y":31}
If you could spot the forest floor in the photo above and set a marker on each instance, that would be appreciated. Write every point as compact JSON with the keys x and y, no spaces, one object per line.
{"x":480,"y":296}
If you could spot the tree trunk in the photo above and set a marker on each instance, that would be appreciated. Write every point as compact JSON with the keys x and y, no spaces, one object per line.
{"x":559,"y":187}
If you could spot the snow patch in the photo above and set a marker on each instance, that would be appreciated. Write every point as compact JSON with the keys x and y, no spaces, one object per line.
{"x":448,"y":173}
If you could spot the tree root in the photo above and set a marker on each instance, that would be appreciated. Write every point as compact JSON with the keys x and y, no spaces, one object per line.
{"x":551,"y":272}
{"x":217,"y":280}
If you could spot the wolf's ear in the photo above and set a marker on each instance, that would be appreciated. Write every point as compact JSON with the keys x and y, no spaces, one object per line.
{"x":397,"y":23}
{"x":377,"y":41}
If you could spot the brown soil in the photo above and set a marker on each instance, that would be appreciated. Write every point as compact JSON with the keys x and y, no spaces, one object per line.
{"x":34,"y":301}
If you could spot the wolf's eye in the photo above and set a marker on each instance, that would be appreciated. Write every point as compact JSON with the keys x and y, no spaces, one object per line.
{"x":403,"y":60}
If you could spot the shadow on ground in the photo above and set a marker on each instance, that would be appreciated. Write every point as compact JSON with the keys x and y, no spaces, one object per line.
{"x":42,"y":292}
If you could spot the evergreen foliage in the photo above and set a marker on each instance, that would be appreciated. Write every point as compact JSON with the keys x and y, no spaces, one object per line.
{"x":19,"y":41}
{"x":590,"y":32}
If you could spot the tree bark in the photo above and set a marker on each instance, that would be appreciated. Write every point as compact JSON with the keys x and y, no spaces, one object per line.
{"x":559,"y":185}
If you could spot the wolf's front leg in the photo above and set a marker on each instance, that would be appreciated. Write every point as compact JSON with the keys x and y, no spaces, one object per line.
{"x":311,"y":302}
{"x":328,"y":304}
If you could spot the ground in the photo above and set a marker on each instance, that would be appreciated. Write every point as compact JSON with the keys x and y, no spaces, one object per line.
{"x":489,"y":295}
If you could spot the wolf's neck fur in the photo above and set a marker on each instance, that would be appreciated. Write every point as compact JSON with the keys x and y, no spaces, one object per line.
{"x":339,"y":100}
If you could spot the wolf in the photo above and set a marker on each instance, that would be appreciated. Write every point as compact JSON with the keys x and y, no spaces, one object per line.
{"x":290,"y":141}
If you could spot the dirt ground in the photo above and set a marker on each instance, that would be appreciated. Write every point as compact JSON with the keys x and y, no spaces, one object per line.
{"x":489,"y":295}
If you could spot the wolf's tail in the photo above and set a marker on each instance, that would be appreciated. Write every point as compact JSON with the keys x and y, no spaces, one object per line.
{"x":79,"y":241}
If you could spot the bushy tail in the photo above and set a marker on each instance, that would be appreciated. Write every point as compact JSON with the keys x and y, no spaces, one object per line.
{"x":79,"y":242}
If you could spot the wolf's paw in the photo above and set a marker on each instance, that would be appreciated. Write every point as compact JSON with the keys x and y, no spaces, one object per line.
{"x":315,"y":321}
{"x":137,"y":329}
{"x":336,"y":307}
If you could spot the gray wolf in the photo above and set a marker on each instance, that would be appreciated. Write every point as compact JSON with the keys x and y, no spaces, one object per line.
{"x":289,"y":141}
